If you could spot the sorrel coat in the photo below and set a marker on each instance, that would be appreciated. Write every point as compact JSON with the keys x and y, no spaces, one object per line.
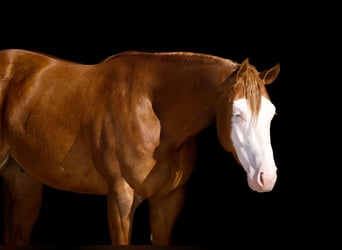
{"x":126,"y":128}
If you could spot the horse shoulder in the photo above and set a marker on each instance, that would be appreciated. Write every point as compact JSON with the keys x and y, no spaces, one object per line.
{"x":136,"y":130}
{"x":144,"y":127}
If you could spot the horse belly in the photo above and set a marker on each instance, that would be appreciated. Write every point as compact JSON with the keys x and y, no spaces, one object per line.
{"x":70,"y":171}
{"x":70,"y":176}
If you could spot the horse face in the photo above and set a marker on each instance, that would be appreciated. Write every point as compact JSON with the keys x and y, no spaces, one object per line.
{"x":252,"y":144}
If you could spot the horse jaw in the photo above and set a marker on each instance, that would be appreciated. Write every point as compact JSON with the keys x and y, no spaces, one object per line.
{"x":252,"y":144}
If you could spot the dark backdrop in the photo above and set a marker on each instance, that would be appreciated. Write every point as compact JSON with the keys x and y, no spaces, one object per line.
{"x":220,"y":208}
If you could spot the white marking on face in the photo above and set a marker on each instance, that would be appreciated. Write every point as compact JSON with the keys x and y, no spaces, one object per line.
{"x":252,"y":143}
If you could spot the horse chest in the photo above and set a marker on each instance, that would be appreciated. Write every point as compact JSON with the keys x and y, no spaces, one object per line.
{"x":171,"y":168}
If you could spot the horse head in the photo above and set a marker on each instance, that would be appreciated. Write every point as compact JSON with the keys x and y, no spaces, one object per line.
{"x":244,"y":117}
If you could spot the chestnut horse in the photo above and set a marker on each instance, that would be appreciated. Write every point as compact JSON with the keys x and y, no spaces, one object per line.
{"x":126,"y":128}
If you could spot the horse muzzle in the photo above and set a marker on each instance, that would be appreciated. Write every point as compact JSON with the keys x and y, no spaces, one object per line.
{"x":262,"y":181}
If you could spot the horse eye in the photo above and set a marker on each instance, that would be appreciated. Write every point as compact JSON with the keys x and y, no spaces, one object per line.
{"x":238,"y":116}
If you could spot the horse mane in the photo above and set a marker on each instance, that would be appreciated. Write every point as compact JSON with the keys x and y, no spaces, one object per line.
{"x":112,"y":57}
{"x":192,"y":57}
{"x":189,"y":57}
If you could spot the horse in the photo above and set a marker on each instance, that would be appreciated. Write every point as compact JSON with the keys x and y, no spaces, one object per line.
{"x":127,"y":127}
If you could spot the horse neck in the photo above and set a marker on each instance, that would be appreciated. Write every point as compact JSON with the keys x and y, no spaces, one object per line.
{"x":185,"y":101}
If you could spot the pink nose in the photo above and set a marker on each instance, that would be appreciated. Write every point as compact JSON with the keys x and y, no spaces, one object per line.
{"x":262,"y":182}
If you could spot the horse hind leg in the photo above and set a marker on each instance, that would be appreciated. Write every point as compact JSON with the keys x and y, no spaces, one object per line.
{"x":22,"y":197}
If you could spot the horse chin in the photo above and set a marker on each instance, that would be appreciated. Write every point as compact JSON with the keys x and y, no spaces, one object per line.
{"x":261,"y":184}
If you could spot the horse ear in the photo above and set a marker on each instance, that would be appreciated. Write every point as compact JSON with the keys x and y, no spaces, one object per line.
{"x":242,"y":68}
{"x":237,"y":73}
{"x":271,"y":74}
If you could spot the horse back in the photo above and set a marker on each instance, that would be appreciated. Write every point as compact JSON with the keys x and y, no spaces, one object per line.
{"x":64,"y":115}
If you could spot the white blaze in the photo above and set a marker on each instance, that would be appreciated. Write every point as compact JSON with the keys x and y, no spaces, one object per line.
{"x":252,"y":143}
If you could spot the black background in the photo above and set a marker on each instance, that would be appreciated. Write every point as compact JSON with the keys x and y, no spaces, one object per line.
{"x":220,"y":208}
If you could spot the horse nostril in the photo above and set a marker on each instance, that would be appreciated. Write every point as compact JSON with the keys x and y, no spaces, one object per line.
{"x":261,"y":180}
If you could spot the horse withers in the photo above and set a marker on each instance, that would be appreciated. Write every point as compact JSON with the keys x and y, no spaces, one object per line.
{"x":127,"y":127}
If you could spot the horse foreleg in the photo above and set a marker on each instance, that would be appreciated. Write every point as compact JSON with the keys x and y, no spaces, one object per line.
{"x":22,"y":204}
{"x":163,"y":214}
{"x":120,"y":205}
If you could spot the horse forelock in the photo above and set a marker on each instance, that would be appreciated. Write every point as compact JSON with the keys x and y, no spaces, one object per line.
{"x":251,"y":87}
